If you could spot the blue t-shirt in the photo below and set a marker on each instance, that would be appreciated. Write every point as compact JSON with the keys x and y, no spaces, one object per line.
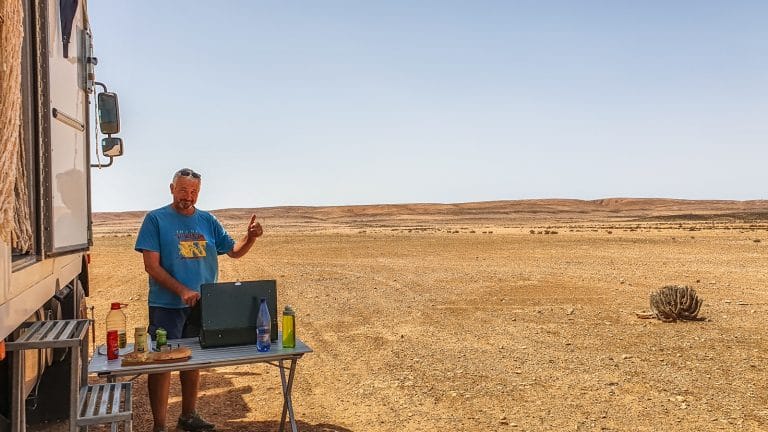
{"x":189,"y":247}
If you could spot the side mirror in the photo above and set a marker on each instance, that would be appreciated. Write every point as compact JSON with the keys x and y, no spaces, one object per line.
{"x":112,"y":147}
{"x":109,"y":113}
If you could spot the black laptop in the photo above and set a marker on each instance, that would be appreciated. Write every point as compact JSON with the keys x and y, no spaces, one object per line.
{"x":229,"y":311}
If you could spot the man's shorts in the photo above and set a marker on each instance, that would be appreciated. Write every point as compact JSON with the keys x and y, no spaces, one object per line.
{"x":179,"y":323}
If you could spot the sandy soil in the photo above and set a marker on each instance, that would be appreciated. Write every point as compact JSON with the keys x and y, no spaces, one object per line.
{"x":429,"y":320}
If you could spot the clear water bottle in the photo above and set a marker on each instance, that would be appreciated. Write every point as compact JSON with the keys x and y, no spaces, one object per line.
{"x":116,"y":321}
{"x":263,"y":324}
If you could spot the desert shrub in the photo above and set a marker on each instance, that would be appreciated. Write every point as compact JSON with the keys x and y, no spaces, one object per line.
{"x":675,"y":302}
{"x":756,"y":240}
{"x":532,"y":231}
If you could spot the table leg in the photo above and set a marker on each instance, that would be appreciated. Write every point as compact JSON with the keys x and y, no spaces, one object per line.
{"x":287,"y":402}
{"x":17,"y":400}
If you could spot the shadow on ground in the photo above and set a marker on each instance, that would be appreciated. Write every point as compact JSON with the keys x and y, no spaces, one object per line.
{"x":259,"y":426}
{"x":226,"y":404}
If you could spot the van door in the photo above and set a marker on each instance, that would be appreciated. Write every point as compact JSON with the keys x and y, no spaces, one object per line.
{"x":68,"y":177}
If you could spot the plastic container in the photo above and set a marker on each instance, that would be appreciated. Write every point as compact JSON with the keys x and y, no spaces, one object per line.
{"x":263,"y":325}
{"x":112,"y":341}
{"x":140,"y":339}
{"x":116,"y":321}
{"x":289,"y":327}
{"x":161,"y":337}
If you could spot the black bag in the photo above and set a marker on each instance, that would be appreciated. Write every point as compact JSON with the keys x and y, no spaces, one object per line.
{"x":229,"y":311}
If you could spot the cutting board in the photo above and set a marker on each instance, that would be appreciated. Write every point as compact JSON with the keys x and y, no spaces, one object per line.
{"x":176,"y":355}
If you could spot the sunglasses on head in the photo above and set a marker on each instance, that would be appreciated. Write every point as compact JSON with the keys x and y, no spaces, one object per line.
{"x":188,"y":173}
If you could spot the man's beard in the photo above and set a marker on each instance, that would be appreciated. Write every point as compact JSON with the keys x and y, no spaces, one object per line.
{"x":185,"y":204}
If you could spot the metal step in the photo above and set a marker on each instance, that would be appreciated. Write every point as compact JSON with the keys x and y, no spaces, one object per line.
{"x":69,"y":334}
{"x":105,"y":403}
{"x":50,"y":334}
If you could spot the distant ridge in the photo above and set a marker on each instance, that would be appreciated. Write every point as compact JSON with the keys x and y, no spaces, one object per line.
{"x":618,"y":209}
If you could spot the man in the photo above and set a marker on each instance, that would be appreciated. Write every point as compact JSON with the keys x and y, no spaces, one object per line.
{"x":180,"y":245}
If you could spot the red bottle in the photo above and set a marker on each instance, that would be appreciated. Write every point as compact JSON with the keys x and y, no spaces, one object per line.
{"x":112,"y":345}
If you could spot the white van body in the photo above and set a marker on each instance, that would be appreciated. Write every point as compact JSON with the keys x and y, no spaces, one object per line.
{"x":50,"y":280}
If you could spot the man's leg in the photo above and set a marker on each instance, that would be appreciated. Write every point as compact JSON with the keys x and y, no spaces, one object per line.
{"x":190,"y":381}
{"x":189,"y":419}
{"x":159,"y":386}
{"x":172,"y":320}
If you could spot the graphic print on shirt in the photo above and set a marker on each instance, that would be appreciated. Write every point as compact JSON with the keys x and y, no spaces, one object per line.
{"x":191,"y":244}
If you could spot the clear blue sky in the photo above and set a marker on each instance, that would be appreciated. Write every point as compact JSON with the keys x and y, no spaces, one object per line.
{"x":360,"y":102}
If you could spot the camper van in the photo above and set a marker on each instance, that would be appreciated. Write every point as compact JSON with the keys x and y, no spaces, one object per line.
{"x":63,"y":113}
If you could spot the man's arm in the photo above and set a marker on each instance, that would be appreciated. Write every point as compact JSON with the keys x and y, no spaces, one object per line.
{"x":244,"y":245}
{"x":158,"y":273}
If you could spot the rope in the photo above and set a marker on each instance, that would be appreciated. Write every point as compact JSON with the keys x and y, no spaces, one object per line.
{"x":13,"y":191}
{"x":11,"y":34}
{"x":22,"y":227}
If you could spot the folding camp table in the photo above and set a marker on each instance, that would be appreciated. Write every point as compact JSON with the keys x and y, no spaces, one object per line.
{"x":215,"y":357}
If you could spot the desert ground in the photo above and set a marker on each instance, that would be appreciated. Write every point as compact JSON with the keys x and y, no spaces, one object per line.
{"x":488,"y":316}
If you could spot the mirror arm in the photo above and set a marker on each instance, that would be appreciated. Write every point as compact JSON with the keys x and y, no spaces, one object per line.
{"x":99,"y":165}
{"x":111,"y":159}
{"x":106,"y":165}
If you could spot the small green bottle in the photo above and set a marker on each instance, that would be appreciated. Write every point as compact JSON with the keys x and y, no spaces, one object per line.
{"x":289,"y":328}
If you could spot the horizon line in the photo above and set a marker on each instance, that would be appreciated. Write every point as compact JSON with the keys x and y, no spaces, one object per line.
{"x":382,"y":204}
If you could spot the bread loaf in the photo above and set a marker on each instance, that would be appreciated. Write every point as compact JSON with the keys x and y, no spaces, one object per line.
{"x":174,"y":354}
